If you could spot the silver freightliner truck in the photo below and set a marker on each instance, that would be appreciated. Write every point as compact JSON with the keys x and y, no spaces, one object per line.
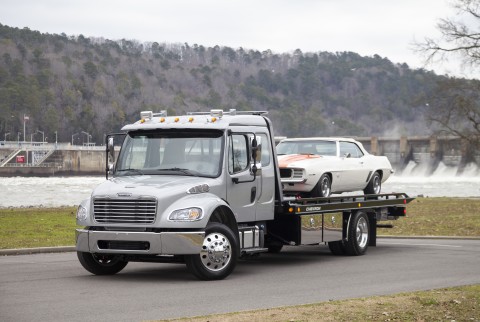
{"x":204,"y":189}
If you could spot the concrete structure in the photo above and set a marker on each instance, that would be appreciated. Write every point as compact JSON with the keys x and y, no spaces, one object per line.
{"x":430,"y":150}
{"x":47,"y":159}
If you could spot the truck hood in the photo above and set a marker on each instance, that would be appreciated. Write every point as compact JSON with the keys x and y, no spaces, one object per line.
{"x":160,"y":186}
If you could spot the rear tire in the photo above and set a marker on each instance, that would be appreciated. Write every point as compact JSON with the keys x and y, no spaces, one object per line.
{"x":337,"y":247}
{"x":358,"y":234}
{"x":374,"y":186}
{"x":323,"y":187}
{"x":218,"y":256}
{"x":101,"y":264}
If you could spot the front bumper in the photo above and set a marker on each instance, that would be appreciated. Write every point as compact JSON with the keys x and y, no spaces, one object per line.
{"x":162,"y":243}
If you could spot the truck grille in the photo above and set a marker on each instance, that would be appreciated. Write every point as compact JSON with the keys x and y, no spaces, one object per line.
{"x":128,"y":211}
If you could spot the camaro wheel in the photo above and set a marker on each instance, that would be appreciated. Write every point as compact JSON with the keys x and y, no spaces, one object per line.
{"x":218,"y":256}
{"x":101,"y":264}
{"x":323,"y":187}
{"x":358,"y":234}
{"x":374,"y":186}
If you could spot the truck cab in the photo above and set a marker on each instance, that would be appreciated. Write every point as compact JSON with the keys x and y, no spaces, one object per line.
{"x":177,"y":180}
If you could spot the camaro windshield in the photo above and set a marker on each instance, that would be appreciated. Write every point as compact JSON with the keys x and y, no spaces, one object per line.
{"x":307,"y":147}
{"x":173,"y":152}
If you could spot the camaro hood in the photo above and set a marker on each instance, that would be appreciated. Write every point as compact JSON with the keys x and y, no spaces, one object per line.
{"x":299,"y":160}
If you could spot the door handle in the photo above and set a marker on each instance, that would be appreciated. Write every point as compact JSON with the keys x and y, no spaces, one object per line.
{"x":253,"y":194}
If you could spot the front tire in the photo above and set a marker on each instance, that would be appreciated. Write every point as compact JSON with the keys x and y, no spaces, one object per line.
{"x":218,"y":256}
{"x":101,"y":264}
{"x":323,"y":187}
{"x":375,"y":185}
{"x":358,"y":234}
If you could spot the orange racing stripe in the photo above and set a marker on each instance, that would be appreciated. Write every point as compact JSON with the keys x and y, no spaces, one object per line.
{"x":285,"y":161}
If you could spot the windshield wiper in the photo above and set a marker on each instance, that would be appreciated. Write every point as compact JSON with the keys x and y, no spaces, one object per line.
{"x":132,"y":170}
{"x":184,"y":171}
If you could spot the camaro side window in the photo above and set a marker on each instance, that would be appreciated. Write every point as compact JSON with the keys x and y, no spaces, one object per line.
{"x":238,"y":153}
{"x":351,"y":149}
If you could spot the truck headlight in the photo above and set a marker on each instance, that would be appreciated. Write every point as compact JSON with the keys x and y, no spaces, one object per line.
{"x":82,"y":213}
{"x":188,"y":214}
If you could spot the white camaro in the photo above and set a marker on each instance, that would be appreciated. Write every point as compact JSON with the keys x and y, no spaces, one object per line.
{"x":318,"y":167}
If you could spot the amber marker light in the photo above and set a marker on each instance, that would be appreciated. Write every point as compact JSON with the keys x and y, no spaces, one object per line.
{"x":359,"y":205}
{"x":177,"y":119}
{"x":142,"y":121}
{"x":162,"y":119}
{"x":214,"y":119}
{"x":190,"y":119}
{"x":290,"y":209}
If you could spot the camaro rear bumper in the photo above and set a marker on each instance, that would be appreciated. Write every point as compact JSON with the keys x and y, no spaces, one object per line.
{"x":124,"y":242}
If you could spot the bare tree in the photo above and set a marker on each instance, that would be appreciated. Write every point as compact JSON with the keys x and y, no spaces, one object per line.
{"x":455,"y":103}
{"x":455,"y":106}
{"x":459,"y":36}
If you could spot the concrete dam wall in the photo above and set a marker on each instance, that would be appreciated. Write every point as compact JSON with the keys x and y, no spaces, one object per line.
{"x":51,"y":159}
{"x":47,"y":159}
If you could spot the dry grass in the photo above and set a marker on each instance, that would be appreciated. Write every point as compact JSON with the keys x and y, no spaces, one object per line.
{"x":438,"y":217}
{"x":452,"y":304}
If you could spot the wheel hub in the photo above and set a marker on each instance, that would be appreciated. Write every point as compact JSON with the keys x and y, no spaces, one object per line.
{"x":362,"y":232}
{"x":216,"y":252}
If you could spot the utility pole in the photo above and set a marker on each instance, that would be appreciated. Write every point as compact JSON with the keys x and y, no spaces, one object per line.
{"x":25,"y":118}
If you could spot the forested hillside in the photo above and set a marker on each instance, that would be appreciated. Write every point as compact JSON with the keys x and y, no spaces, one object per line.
{"x":69,"y":84}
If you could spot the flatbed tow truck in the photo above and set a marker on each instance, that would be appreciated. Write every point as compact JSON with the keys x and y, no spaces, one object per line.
{"x":204,"y":189}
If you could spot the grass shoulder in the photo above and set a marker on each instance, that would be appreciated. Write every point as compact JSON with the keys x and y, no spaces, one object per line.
{"x":438,"y":217}
{"x":46,"y":227}
{"x":37,"y":227}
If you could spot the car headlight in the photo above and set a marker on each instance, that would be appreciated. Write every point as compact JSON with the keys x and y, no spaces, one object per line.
{"x":82,"y":213}
{"x":188,"y":214}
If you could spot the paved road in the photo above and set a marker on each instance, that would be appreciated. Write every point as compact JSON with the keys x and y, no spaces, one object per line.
{"x":54,"y":287}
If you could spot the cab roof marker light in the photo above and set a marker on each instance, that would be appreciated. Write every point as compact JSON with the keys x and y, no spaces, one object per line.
{"x":216,"y":113}
{"x":146,"y":115}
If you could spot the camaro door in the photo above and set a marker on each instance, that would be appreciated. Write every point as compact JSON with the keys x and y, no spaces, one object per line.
{"x":354,"y":167}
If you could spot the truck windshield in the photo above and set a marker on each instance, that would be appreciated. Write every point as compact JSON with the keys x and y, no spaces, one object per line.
{"x":172,"y":152}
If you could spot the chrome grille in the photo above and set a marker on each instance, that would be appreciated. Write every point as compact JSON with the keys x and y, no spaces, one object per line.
{"x":128,"y":211}
{"x":297,"y":174}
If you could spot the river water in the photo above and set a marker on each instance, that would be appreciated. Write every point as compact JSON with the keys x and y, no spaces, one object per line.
{"x":69,"y":191}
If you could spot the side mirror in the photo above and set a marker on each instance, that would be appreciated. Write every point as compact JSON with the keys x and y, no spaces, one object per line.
{"x":110,"y":156}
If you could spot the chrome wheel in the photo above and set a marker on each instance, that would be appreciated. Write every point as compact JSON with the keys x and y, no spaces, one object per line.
{"x":362,"y":232}
{"x":325,"y":186}
{"x":358,"y":234}
{"x":218,"y":256}
{"x":216,"y":252}
{"x":376,"y":184}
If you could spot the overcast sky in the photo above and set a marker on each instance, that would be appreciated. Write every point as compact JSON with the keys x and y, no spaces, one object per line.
{"x":383,"y":27}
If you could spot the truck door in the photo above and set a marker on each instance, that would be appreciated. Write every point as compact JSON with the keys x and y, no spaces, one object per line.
{"x":240,"y":183}
{"x":265,"y":179}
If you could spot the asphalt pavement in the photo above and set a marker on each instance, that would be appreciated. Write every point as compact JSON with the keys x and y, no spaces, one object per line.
{"x":54,"y":286}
